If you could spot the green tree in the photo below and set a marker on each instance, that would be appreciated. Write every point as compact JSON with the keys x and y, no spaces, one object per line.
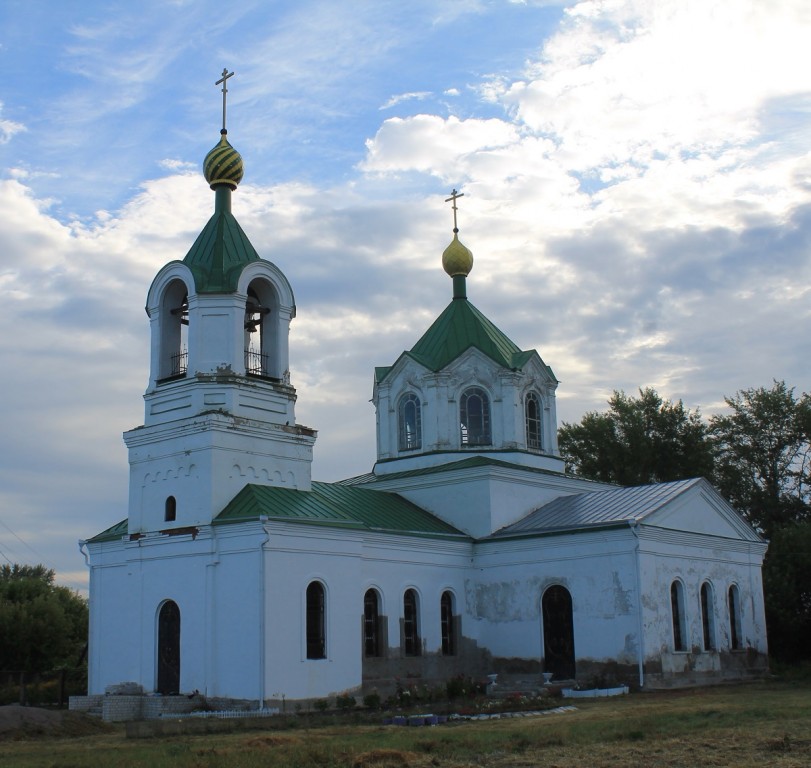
{"x":787,"y":589}
{"x":43,"y":626}
{"x":764,"y":450}
{"x":638,"y":441}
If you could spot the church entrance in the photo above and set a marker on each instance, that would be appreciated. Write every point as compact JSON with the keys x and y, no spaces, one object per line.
{"x":169,"y":649}
{"x":558,"y":633}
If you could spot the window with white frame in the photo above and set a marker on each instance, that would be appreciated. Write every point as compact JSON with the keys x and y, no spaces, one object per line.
{"x":532,"y":414}
{"x":410,"y":422}
{"x":474,"y":417}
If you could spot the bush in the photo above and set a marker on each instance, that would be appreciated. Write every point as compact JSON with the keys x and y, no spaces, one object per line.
{"x":372,"y":701}
{"x":345,"y":702}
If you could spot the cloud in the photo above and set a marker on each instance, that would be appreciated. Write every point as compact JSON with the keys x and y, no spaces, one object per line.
{"x":413,"y":96}
{"x":8,"y":128}
{"x":637,"y":198}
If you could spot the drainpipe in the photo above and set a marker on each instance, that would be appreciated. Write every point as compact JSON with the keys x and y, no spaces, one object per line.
{"x":641,"y":649}
{"x":262,"y":519}
{"x":82,"y":545}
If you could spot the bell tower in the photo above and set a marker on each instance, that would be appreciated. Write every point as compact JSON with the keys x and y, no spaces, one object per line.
{"x":219,"y":406}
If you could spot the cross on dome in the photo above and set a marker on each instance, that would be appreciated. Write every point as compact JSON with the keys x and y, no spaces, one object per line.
{"x":225,"y":75}
{"x":454,"y":196}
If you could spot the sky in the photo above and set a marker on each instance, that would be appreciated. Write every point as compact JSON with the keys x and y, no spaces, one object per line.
{"x":637,"y":197}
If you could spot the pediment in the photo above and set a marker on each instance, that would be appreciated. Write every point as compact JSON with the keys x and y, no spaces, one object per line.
{"x":702,"y":510}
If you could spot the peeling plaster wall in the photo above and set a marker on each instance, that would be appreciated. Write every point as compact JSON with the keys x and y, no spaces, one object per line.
{"x":695,"y":559}
{"x":504,"y":595}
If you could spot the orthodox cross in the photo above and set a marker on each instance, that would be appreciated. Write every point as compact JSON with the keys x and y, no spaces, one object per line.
{"x":225,"y":75}
{"x":454,"y":196}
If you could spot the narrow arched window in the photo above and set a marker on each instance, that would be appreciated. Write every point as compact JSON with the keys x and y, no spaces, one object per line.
{"x":371,"y":623}
{"x":316,"y":639}
{"x":447,"y":624}
{"x":707,"y":616}
{"x":412,"y":645}
{"x":410,"y":423}
{"x":532,"y":414}
{"x":735,"y":642}
{"x":474,"y":417}
{"x":168,"y":661}
{"x":170,"y":510}
{"x":677,"y":612}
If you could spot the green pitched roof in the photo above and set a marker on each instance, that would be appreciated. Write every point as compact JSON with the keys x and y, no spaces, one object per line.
{"x":460,"y":327}
{"x":472,"y":462}
{"x":113,"y":533}
{"x":220,"y":252}
{"x":334,"y":505}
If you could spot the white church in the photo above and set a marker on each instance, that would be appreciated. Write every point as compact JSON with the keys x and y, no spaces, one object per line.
{"x":465,"y":551}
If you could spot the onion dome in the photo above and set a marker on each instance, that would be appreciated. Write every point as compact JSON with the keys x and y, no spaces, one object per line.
{"x":223,"y":165}
{"x":457,"y":259}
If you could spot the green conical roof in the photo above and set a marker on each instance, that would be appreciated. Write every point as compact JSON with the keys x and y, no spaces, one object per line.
{"x":220,"y":252}
{"x":458,"y":328}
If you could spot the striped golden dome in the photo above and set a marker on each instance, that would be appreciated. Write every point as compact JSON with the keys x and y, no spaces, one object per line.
{"x":223,"y":165}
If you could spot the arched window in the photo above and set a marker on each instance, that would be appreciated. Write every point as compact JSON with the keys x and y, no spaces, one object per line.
{"x":168,"y":648}
{"x":174,"y":323}
{"x":371,"y":623}
{"x":170,"y":509}
{"x":412,"y":646}
{"x":708,"y":616}
{"x":677,"y":613}
{"x":735,"y":641}
{"x":474,"y":417}
{"x":447,"y":624}
{"x":410,"y":423}
{"x":532,"y":415}
{"x":316,"y":639}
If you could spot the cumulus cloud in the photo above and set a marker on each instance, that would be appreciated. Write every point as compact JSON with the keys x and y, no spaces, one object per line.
{"x":637,"y":198}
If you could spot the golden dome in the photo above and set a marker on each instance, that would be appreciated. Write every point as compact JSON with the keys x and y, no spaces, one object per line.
{"x":457,"y":259}
{"x":223,"y":165}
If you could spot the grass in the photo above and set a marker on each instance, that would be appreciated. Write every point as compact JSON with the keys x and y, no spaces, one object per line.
{"x":744,"y":726}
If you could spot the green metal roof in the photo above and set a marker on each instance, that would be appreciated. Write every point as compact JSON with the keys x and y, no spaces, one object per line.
{"x":335,"y":505}
{"x":460,"y":327}
{"x":221,"y":251}
{"x":471,"y":462}
{"x":113,"y":533}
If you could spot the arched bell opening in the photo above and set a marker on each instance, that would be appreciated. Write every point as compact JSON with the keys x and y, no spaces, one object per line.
{"x":261,"y":331}
{"x":174,"y":326}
